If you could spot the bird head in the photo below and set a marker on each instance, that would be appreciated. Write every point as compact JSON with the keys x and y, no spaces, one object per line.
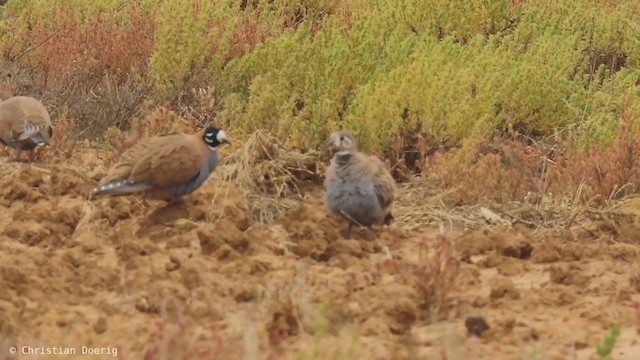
{"x":215,"y":137}
{"x":341,"y":140}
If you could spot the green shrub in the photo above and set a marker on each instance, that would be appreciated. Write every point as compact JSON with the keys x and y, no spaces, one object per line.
{"x":459,"y":20}
{"x":391,"y":68}
{"x":310,"y":75}
{"x":387,"y":69}
{"x":195,"y":39}
{"x":449,"y":92}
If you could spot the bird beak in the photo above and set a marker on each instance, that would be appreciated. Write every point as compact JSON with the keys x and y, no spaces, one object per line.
{"x":327,"y":144}
{"x":225,"y":141}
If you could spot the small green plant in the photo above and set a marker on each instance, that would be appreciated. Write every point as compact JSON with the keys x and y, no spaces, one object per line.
{"x":606,"y":346}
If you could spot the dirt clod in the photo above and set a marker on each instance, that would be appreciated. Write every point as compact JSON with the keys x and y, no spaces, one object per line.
{"x":504,"y":288}
{"x":207,"y":271}
{"x":476,"y":325}
{"x":100,"y":326}
{"x":545,"y":253}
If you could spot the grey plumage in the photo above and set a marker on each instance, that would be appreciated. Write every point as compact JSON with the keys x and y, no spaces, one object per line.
{"x":357,"y":186}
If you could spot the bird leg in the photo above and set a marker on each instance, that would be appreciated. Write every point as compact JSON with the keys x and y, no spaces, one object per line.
{"x":18,"y":159}
{"x":350,"y":221}
{"x":32,"y":155}
{"x":348,"y":234}
{"x":174,"y":200}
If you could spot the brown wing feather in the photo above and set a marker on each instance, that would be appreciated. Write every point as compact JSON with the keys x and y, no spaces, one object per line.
{"x":382,"y":180}
{"x":128,"y":159}
{"x":171,"y":160}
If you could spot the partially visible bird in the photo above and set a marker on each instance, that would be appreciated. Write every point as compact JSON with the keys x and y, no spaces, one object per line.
{"x":357,"y":185}
{"x":24,"y":124}
{"x":165,"y":167}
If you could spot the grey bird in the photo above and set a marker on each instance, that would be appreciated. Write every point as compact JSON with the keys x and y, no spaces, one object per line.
{"x":165,"y":167}
{"x":358,"y":186}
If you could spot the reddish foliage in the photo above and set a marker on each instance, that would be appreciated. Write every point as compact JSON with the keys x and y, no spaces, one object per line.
{"x":103,"y":44}
{"x":183,"y":345}
{"x":501,"y":171}
{"x":516,"y":3}
{"x":64,"y":141}
{"x":247,"y":35}
{"x":507,"y":170}
{"x":348,"y":17}
{"x":432,"y":275}
{"x":6,"y":91}
{"x":607,"y":173}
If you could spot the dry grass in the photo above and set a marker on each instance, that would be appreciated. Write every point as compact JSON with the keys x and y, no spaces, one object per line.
{"x":274,"y":178}
{"x":432,"y":208}
{"x":439,"y":207}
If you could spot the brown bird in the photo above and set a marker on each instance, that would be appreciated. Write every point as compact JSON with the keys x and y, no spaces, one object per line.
{"x":24,"y":124}
{"x":357,"y":185}
{"x":165,"y":167}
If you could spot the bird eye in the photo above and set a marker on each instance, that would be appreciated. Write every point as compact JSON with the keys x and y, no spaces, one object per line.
{"x":341,"y":138}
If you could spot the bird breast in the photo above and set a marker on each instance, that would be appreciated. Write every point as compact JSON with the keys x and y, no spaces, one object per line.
{"x":199,"y":178}
{"x":353,"y":193}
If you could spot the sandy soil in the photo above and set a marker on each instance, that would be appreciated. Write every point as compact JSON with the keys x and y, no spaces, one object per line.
{"x":203,"y":277}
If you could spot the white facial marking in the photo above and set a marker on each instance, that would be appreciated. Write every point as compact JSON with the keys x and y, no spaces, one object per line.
{"x":221,"y":136}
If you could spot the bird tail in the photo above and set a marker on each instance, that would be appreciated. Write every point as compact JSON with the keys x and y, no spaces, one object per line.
{"x":120,"y":187}
{"x":33,"y":132}
{"x":38,"y":139}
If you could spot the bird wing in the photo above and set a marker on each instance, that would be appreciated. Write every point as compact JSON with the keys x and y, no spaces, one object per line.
{"x":29,"y":130}
{"x":37,"y":123}
{"x":127,"y":160}
{"x":383,"y":183}
{"x":168,"y":160}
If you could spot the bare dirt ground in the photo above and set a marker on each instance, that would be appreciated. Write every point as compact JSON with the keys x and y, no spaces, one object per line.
{"x":205,"y":277}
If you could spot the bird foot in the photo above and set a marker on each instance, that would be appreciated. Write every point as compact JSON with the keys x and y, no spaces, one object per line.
{"x":174,"y":201}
